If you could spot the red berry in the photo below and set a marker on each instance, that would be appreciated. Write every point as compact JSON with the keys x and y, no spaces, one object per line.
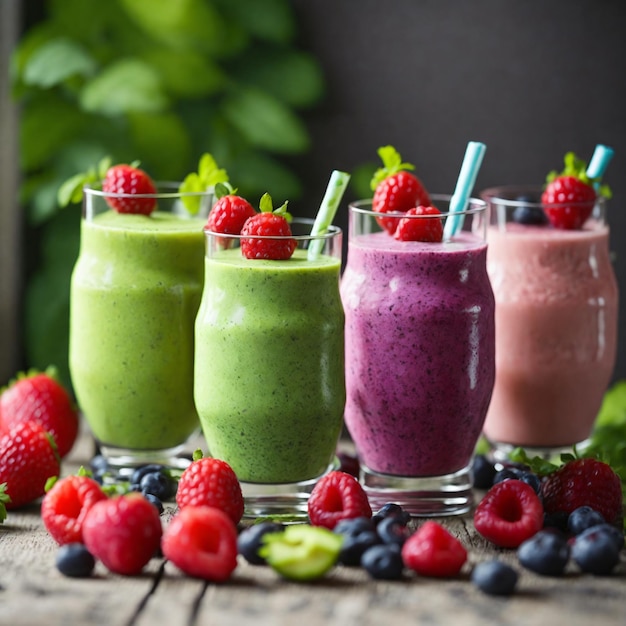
{"x":28,"y":458}
{"x":433,"y":551}
{"x":267,"y":225}
{"x":41,"y":398}
{"x":211,"y":482}
{"x":65,"y":506}
{"x":337,"y":496}
{"x":584,"y":482}
{"x":568,"y":202}
{"x":420,"y":229}
{"x":124,"y":532}
{"x":229,"y":214}
{"x":509,"y":513}
{"x":125,"y":181}
{"x":202,"y":542}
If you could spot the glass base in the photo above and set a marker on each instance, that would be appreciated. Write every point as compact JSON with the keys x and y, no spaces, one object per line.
{"x":287,"y":502}
{"x":500,"y":452}
{"x":423,"y":496}
{"x":122,"y":462}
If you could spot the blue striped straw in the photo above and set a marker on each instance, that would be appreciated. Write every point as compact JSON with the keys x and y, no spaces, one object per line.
{"x":465,"y":183}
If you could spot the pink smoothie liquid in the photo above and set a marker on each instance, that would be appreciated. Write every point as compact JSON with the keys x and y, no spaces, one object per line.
{"x":419,"y":352}
{"x":556,"y":332}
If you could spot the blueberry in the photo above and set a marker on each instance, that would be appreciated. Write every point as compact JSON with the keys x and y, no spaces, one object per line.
{"x":349,"y":463}
{"x":391,"y":509}
{"x":99,"y":464}
{"x":545,"y":553}
{"x":483,"y":472}
{"x":251,"y":539}
{"x":358,"y":534}
{"x":495,"y":578}
{"x":612,"y":531}
{"x":73,"y":559}
{"x":142,"y":470}
{"x":556,"y":520}
{"x":527,"y":213}
{"x":383,"y":562}
{"x":595,"y":552}
{"x":158,"y":484}
{"x":150,"y":497}
{"x":582,"y":518}
{"x":530,"y":479}
{"x":392,"y":530}
{"x":504,"y":474}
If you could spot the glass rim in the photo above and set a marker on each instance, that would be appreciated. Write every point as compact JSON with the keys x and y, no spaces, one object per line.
{"x":331,"y":232}
{"x":165,"y":189}
{"x":498,"y":195}
{"x":475,"y":206}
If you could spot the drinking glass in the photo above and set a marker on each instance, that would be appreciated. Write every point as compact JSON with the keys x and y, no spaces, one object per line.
{"x":419,"y":358}
{"x":269,"y":368}
{"x":135,"y":292}
{"x":556,"y":324}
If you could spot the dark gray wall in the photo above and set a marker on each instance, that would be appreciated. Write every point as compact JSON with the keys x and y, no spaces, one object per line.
{"x":531,"y":79}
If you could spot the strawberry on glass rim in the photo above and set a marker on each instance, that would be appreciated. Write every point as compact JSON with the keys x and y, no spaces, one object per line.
{"x":570,"y":195}
{"x":413,"y":228}
{"x":230,"y":212}
{"x":395,"y":189}
{"x":267,"y":235}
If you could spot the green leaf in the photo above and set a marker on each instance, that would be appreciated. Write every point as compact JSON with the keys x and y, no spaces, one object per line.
{"x":126,"y":86}
{"x":208,"y":177}
{"x":613,"y":409}
{"x":268,"y":20}
{"x":4,"y":500}
{"x":56,"y":61}
{"x":293,"y":77}
{"x":265,"y":122}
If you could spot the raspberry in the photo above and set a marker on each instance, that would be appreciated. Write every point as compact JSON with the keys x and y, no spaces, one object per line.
{"x":121,"y":183}
{"x":211,"y":482}
{"x":124,"y":532}
{"x":229,"y":214}
{"x":420,"y":228}
{"x":65,"y":506}
{"x":202,"y":542}
{"x":584,"y":482}
{"x":433,"y":551}
{"x":335,"y":497}
{"x":281,"y":244}
{"x":509,"y":513}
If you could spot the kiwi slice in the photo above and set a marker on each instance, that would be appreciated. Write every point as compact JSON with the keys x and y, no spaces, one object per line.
{"x":301,"y":552}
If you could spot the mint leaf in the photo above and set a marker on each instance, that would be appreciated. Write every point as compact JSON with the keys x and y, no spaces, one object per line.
{"x":208,"y":177}
{"x":4,"y":500}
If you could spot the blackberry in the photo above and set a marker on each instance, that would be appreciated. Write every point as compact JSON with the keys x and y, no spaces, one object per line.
{"x":582,"y":518}
{"x":545,"y":553}
{"x":74,"y":560}
{"x":251,"y":539}
{"x":383,"y":562}
{"x":495,"y":578}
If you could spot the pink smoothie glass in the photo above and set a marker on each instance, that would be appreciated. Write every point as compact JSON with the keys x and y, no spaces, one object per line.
{"x":556,"y":325}
{"x":419,"y":359}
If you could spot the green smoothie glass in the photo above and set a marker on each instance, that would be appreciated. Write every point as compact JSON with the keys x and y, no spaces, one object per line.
{"x":269,"y":366}
{"x":135,"y":292}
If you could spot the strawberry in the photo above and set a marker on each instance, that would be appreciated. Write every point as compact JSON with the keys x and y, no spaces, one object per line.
{"x":211,"y":482}
{"x":420,"y":229}
{"x":584,"y":482}
{"x":269,"y":232}
{"x":28,"y":458}
{"x":509,"y":514}
{"x":433,"y":551}
{"x":65,"y":506}
{"x":42,"y":398}
{"x":395,"y":189}
{"x":569,"y":196}
{"x":122,"y":182}
{"x":124,"y":532}
{"x":337,"y":496}
{"x":229,"y":213}
{"x":202,"y":542}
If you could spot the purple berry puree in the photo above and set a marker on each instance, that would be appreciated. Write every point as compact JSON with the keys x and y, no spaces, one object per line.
{"x":419,"y":352}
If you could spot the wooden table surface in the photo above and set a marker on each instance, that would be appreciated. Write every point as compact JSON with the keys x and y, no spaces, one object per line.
{"x":32,"y":591}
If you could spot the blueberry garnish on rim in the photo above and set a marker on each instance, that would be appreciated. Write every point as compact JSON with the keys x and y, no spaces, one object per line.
{"x":527,"y":213}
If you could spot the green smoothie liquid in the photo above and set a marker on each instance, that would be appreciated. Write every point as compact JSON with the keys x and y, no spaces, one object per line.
{"x":269,"y":365}
{"x":135,"y":292}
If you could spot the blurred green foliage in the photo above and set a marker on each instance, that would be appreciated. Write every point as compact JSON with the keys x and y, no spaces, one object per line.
{"x":159,"y":81}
